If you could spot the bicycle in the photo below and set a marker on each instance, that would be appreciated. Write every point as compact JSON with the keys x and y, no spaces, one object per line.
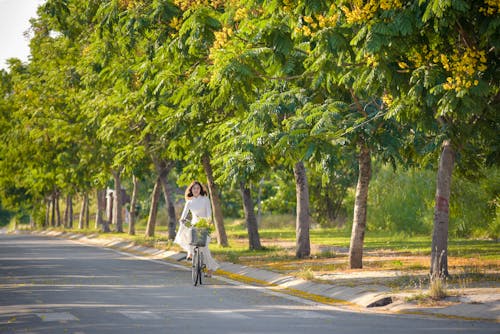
{"x":198,"y":240}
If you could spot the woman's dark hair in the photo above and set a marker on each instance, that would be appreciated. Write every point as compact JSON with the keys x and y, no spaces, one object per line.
{"x":189,"y":192}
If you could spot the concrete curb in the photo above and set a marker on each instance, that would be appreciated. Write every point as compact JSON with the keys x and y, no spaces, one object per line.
{"x":375,"y":298}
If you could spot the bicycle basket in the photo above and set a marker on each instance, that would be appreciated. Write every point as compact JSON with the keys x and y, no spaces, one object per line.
{"x":198,"y":237}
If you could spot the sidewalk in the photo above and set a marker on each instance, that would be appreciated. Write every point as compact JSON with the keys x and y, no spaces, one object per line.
{"x":468,"y":304}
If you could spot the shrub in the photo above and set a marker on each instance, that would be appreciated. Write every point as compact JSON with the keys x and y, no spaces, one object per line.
{"x":401,"y":201}
{"x":474,"y":205}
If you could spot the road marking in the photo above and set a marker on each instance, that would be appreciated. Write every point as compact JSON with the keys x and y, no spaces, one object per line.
{"x":57,"y":316}
{"x":308,"y":315}
{"x":228,"y":314}
{"x":140,"y":315}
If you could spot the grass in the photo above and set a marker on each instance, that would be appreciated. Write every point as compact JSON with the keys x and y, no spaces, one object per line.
{"x":382,"y":251}
{"x":438,"y":288}
{"x":306,"y":273}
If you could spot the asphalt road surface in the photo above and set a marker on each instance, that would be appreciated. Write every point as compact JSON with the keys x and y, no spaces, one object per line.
{"x":51,"y":286}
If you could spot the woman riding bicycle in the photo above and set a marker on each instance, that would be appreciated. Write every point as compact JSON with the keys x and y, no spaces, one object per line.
{"x":198,"y":203}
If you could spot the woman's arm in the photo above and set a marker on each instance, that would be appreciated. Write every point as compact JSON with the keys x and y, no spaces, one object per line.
{"x":208,"y":207}
{"x":185,"y":211}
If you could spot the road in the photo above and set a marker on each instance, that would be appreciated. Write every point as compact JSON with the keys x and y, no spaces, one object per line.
{"x":51,"y":286}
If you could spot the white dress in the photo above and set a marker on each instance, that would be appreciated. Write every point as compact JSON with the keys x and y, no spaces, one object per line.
{"x":200,"y":208}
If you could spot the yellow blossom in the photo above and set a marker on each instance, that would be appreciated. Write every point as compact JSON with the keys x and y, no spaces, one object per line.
{"x":492,"y":7}
{"x":402,"y":65}
{"x":362,"y":11}
{"x":371,"y":60}
{"x":190,"y":4}
{"x":306,"y":30}
{"x":86,"y":51}
{"x":464,"y":65}
{"x":308,"y":19}
{"x":221,"y":37}
{"x":241,"y":13}
{"x":175,"y":23}
{"x":387,"y":99}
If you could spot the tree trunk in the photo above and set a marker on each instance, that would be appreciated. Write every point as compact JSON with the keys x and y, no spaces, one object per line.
{"x":251,"y":220}
{"x":69,"y":204}
{"x":117,"y":203}
{"x":100,"y":202}
{"x":53,"y":217}
{"x":338,"y":203}
{"x":303,"y":248}
{"x":66,"y":213}
{"x":216,"y":206}
{"x":439,"y":252}
{"x":108,"y":210}
{"x":169,"y":201}
{"x":360,"y":209}
{"x":87,"y":210}
{"x":259,"y":202}
{"x":133,"y":200}
{"x":81,"y":219}
{"x":110,"y":198}
{"x":47,"y":213}
{"x":58,"y":210}
{"x":163,"y":169}
{"x":155,"y":198}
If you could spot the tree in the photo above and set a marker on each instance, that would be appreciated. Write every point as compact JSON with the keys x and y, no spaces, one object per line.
{"x":348,"y":107}
{"x":184,"y":113}
{"x":128,"y":105}
{"x":243,"y":57}
{"x":440,"y":61}
{"x":47,"y":111}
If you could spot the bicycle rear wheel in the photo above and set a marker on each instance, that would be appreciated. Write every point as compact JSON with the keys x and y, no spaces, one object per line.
{"x":196,"y":267}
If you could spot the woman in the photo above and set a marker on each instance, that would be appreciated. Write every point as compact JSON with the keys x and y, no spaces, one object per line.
{"x":198,"y":204}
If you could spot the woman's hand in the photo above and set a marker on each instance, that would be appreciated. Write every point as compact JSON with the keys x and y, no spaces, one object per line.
{"x":185,"y":222}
